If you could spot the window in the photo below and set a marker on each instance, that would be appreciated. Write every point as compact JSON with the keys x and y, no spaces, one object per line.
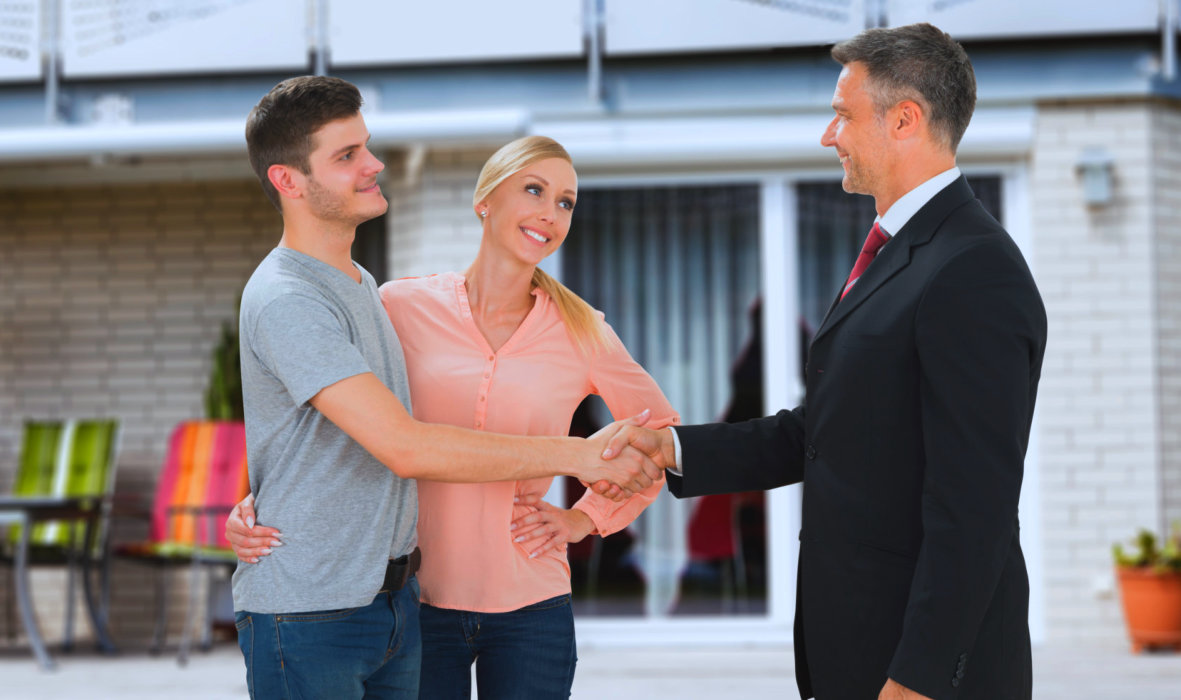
{"x":676,"y":271}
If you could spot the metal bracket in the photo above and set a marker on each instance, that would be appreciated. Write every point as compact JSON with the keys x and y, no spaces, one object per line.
{"x":592,"y":23}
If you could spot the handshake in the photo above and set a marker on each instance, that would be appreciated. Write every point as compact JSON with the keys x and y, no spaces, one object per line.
{"x":626,"y":458}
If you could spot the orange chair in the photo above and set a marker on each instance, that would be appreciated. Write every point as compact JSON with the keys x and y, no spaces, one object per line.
{"x":204,"y":475}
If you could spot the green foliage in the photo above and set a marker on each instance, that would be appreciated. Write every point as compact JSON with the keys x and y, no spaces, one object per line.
{"x":1148,"y":555}
{"x":223,"y":397}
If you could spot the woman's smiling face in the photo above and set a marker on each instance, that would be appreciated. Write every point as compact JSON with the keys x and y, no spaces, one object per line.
{"x":529,"y":214}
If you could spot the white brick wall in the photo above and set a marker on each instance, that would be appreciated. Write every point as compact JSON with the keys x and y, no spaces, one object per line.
{"x":111,"y":299}
{"x":1100,"y":441}
{"x":432,"y":225}
{"x":1166,"y":164}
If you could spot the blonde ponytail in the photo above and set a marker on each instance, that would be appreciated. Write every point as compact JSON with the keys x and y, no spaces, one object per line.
{"x":582,"y":321}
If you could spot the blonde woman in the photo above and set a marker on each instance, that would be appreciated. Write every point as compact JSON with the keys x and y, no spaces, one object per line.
{"x":504,"y":347}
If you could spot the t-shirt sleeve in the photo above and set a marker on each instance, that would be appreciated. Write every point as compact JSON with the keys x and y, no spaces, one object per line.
{"x":305,"y":344}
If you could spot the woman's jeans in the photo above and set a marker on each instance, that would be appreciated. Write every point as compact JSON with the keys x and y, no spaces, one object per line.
{"x":373,"y":652}
{"x":526,"y":654}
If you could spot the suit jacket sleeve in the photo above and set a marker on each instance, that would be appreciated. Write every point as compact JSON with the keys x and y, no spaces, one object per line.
{"x":980,"y":331}
{"x":753,"y":455}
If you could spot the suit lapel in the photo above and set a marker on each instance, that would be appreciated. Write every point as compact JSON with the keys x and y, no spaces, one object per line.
{"x":891,"y":259}
{"x":896,"y":254}
{"x":831,"y":307}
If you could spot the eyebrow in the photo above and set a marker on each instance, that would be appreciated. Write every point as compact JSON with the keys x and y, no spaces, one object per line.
{"x":546,"y":183}
{"x":350,"y":147}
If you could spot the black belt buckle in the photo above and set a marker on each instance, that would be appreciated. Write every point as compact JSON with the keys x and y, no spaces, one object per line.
{"x":399,"y":570}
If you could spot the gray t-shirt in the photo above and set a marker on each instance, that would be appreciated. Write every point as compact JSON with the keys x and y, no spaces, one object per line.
{"x":304,"y":326}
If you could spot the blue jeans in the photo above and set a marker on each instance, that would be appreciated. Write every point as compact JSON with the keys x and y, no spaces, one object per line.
{"x":372,"y":652}
{"x":526,"y":654}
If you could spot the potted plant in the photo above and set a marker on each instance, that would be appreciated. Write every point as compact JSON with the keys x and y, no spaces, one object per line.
{"x":223,"y":397}
{"x":1150,"y":588}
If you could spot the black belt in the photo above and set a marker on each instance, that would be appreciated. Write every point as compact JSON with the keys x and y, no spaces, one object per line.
{"x":399,"y":570}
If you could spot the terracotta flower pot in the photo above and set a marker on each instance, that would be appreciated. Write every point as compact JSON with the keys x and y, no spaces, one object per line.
{"x":1152,"y":607}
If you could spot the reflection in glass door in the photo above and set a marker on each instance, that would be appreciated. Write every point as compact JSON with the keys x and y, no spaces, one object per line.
{"x":676,"y":271}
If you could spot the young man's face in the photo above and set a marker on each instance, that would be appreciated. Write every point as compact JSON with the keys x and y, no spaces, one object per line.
{"x":342,"y":185}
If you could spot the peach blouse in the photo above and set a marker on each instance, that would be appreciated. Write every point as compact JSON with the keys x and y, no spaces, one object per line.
{"x":531,"y":386}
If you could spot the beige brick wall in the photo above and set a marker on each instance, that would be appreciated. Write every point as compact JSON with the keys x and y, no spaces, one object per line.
{"x":111,"y":299}
{"x":1166,"y":162}
{"x":1098,"y":405}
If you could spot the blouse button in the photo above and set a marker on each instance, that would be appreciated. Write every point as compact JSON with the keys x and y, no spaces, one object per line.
{"x":487,"y":375}
{"x":481,"y":398}
{"x":492,"y":358}
{"x":479,"y":424}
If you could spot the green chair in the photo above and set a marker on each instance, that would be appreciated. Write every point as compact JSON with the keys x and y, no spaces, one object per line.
{"x":38,"y":458}
{"x":64,"y":459}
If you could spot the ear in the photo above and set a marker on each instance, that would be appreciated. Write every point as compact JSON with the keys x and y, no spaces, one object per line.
{"x":907,"y":119}
{"x":481,"y":209}
{"x":287,"y":180}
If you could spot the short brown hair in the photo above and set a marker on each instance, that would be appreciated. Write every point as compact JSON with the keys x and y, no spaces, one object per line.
{"x":280,"y":127}
{"x":918,"y":62}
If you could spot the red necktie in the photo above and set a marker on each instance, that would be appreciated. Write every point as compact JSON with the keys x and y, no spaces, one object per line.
{"x":873,"y":243}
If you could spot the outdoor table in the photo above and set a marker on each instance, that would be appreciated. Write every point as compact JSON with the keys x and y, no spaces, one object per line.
{"x":25,"y":511}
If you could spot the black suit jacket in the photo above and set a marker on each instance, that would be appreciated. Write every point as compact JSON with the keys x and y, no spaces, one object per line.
{"x":920,"y":392}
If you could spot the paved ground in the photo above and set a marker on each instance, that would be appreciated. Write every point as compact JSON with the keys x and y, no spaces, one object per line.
{"x":621,"y":674}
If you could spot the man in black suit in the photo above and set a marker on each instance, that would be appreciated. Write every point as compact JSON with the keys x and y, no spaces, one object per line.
{"x":920,"y":392}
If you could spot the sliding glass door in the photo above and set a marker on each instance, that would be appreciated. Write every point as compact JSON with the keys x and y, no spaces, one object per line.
{"x":676,"y":271}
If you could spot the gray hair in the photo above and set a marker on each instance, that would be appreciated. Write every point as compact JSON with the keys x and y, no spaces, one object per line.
{"x":917,"y":62}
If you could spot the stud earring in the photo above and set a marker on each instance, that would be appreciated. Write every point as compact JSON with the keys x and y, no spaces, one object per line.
{"x":484,"y":214}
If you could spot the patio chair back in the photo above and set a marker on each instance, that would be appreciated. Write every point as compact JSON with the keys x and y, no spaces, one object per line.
{"x":65,"y":458}
{"x":90,"y":464}
{"x":205,"y":467}
{"x":38,"y":457}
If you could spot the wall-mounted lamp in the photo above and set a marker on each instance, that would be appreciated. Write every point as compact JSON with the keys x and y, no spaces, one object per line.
{"x":1095,"y":167}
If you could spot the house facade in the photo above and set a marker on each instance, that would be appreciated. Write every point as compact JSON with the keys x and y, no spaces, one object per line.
{"x":710,"y":225}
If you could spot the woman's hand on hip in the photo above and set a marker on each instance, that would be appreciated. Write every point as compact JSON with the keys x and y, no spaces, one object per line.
{"x":548,"y":526}
{"x":250,"y":541}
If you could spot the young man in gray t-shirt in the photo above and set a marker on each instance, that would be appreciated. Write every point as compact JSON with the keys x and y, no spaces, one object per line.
{"x":331,"y":446}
